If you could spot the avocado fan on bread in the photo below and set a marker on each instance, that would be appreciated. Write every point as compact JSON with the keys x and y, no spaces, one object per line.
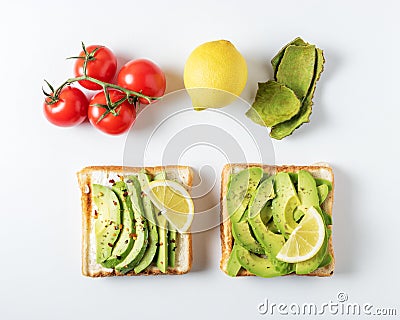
{"x":276,"y":220}
{"x":124,"y":233}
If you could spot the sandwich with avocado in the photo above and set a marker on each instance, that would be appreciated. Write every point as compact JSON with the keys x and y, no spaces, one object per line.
{"x":136,"y":221}
{"x":276,"y":220}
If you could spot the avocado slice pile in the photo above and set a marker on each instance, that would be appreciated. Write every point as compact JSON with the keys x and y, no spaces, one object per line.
{"x":127,"y":237}
{"x":285,"y":103}
{"x":264,"y":210}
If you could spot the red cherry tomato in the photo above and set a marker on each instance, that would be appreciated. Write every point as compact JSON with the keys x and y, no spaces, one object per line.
{"x":102,"y":66}
{"x":142,"y":76}
{"x":70,"y":109}
{"x":111,"y":124}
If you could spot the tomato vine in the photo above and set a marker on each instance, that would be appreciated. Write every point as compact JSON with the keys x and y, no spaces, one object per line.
{"x":131,"y":96}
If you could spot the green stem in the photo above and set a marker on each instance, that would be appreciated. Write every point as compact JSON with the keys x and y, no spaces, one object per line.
{"x":130,"y":95}
{"x":69,"y":81}
{"x":104,"y":85}
{"x":114,"y":86}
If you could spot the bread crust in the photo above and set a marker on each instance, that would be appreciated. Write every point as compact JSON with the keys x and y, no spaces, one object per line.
{"x":84,"y":180}
{"x":226,"y":226}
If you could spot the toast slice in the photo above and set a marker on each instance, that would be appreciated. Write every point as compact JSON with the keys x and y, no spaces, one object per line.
{"x":102,"y":175}
{"x":322,"y":171}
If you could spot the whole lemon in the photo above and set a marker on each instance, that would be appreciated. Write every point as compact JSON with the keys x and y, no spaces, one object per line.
{"x":215,"y":74}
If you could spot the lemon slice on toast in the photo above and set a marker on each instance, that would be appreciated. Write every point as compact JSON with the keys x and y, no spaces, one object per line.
{"x":173,"y":201}
{"x":305,"y":240}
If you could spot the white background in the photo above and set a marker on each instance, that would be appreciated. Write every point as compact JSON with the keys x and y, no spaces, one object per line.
{"x":354,"y":126}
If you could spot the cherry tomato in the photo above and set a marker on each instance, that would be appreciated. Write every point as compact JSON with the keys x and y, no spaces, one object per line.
{"x":143,"y":76}
{"x":111,"y":124}
{"x":101,"y":66}
{"x":70,"y":109}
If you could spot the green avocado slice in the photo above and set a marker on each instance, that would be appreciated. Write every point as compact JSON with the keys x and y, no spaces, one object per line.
{"x":327,"y":260}
{"x":307,"y":190}
{"x":323,"y":191}
{"x":284,"y":204}
{"x":162,"y":253}
{"x":296,"y":69}
{"x":141,"y":230}
{"x":108,"y":219}
{"x":274,"y":104}
{"x":148,"y":208}
{"x":229,"y":180}
{"x":241,"y":189}
{"x":272,"y":243}
{"x":162,"y":229}
{"x":242,"y":235}
{"x":320,"y":181}
{"x":261,"y":267}
{"x":172,"y":248}
{"x":286,"y":128}
{"x":151,"y":250}
{"x":308,"y":193}
{"x":312,"y":264}
{"x":278,"y":57}
{"x":326,"y":217}
{"x":233,"y":266}
{"x":263,"y":194}
{"x":124,"y":243}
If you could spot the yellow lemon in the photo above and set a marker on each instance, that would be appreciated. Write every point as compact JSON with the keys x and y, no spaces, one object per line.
{"x":215,"y":74}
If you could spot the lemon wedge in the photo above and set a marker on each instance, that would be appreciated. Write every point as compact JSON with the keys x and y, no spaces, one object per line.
{"x":173,"y":201}
{"x":305,"y":240}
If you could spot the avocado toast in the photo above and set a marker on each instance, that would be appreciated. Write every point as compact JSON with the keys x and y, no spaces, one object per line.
{"x":121,"y":230}
{"x":273,"y":202}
